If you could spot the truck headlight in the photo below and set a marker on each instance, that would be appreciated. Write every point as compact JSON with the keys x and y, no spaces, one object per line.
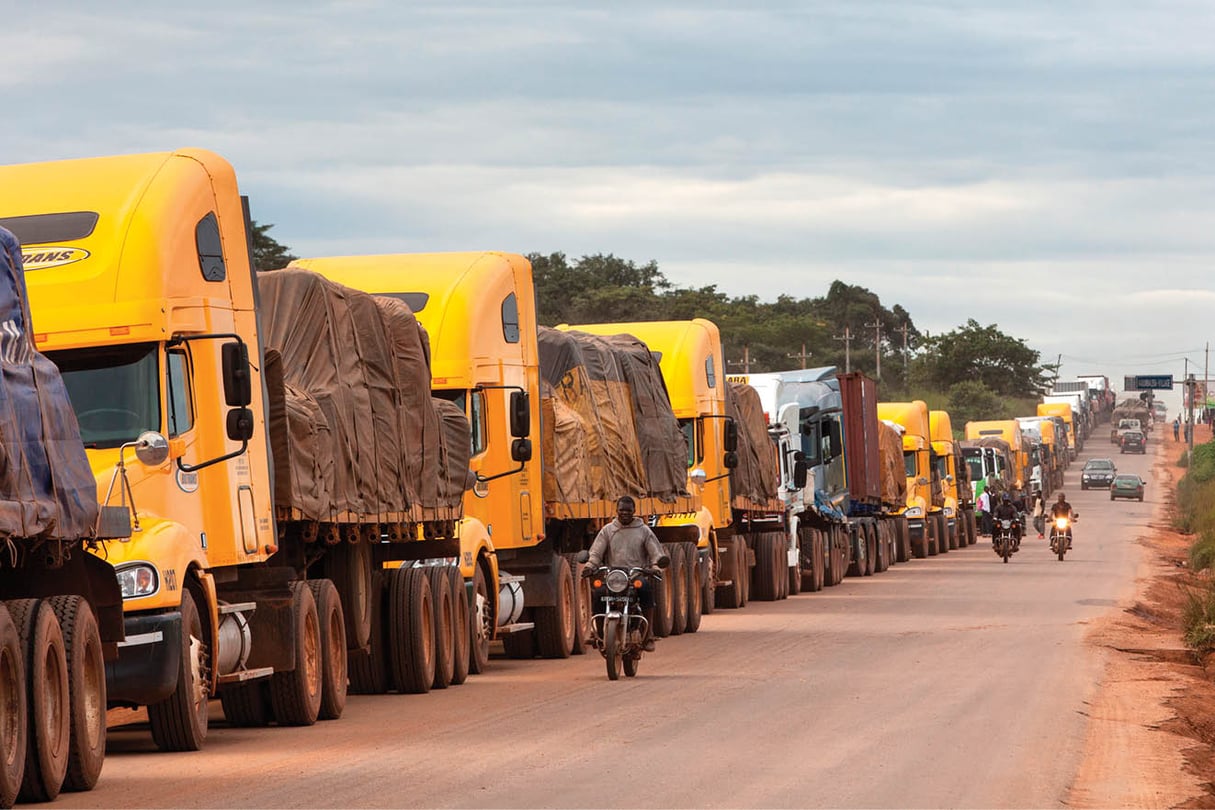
{"x":138,"y":580}
{"x":948,"y":511}
{"x":914,"y":511}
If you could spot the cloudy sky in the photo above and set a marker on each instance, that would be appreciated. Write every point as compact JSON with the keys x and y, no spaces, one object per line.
{"x":1046,"y":166}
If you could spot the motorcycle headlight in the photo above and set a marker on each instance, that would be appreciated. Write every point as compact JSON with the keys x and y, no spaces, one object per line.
{"x":617,"y":581}
{"x":138,"y":580}
{"x":1007,"y":524}
{"x":1060,"y":523}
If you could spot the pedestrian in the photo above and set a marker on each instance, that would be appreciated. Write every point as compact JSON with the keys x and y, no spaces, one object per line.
{"x":983,"y":504}
{"x":1176,"y":428}
{"x":1039,"y":513}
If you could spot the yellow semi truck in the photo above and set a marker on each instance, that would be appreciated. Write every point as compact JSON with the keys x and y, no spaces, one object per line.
{"x":146,"y":300}
{"x":517,"y":540}
{"x":1063,"y":410}
{"x":927,"y":522}
{"x":959,"y":499}
{"x":1009,"y":431}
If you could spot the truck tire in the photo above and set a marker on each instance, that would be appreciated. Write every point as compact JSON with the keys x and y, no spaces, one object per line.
{"x":731,"y":597}
{"x":555,"y":624}
{"x":481,"y":621}
{"x":871,"y":549}
{"x":814,"y":579}
{"x":795,"y":576}
{"x":955,"y":534}
{"x":677,"y":577}
{"x":881,"y":560}
{"x":86,"y":690}
{"x":444,"y":614}
{"x":972,"y":528}
{"x":334,"y":679}
{"x":349,"y":566}
{"x":664,"y":606}
{"x":857,"y":548}
{"x":708,"y":579}
{"x":14,"y":725}
{"x":179,"y":722}
{"x":368,"y":669}
{"x":411,"y":643}
{"x":246,"y":705}
{"x":46,"y":683}
{"x":764,"y":585}
{"x":902,"y":542}
{"x":695,"y":588}
{"x":520,"y":646}
{"x":463,"y":628}
{"x":781,"y":544}
{"x":581,"y":589}
{"x":295,"y":695}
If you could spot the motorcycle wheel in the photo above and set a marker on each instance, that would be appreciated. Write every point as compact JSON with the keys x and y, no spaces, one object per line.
{"x":1005,"y":549}
{"x":630,"y":666}
{"x":611,"y":648}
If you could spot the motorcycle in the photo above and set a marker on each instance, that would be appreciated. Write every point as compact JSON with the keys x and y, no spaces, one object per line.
{"x":619,"y":632}
{"x":1005,"y":538}
{"x":1061,"y":535}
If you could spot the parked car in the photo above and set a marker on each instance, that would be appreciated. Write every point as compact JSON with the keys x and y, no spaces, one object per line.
{"x":1097,"y":472}
{"x":1134,"y":442}
{"x":1127,"y":485}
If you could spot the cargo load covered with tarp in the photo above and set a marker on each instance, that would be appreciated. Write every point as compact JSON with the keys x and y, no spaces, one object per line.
{"x":893,"y":469}
{"x":608,"y":425}
{"x":47,"y":489}
{"x":354,"y":432}
{"x":755,"y":481}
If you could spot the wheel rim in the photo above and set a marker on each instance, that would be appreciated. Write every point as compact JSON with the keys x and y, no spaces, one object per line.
{"x":94,"y":686}
{"x":10,"y":716}
{"x":568,"y":615}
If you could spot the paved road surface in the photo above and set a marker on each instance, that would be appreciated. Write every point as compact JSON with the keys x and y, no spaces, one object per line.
{"x":951,"y":681}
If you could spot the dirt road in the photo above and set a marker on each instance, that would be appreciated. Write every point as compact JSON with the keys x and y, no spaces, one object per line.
{"x":952,"y":681}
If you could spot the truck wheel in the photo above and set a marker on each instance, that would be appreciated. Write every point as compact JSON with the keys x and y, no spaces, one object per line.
{"x":677,"y":577}
{"x":695,"y":588}
{"x":818,"y":549}
{"x":463,"y":628}
{"x":555,"y":623}
{"x":664,"y":607}
{"x":881,"y":560}
{"x":582,"y":605}
{"x":972,"y":528}
{"x":942,"y":532}
{"x":795,"y":576}
{"x":445,"y":625}
{"x":871,"y":549}
{"x":902,"y":546}
{"x":780,"y":544}
{"x":368,"y":669}
{"x":296,"y":695}
{"x":349,"y":566}
{"x":86,"y":690}
{"x":246,"y":704}
{"x":764,"y":586}
{"x":708,"y":580}
{"x":333,"y":648}
{"x":482,"y":622}
{"x":411,"y":643}
{"x":14,"y":729}
{"x":857,"y":548}
{"x":179,"y":722}
{"x":730,"y":597}
{"x":47,"y":746}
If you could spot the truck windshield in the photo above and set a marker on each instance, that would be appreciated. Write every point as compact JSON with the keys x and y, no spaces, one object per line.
{"x":114,"y":390}
{"x":975,"y":465}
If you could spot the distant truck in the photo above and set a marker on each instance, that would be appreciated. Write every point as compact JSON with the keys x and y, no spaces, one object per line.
{"x":959,"y":498}
{"x":61,"y":615}
{"x":1008,"y":431}
{"x":927,"y":523}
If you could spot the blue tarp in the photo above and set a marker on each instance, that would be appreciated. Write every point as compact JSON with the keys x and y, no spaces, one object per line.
{"x":46,"y":486}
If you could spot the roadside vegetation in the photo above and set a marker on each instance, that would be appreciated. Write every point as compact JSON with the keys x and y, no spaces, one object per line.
{"x":1195,"y":514}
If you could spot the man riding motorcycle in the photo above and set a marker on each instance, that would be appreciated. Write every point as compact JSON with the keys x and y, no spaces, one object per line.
{"x":1061,"y":508}
{"x":627,"y":542}
{"x":1007,"y":510}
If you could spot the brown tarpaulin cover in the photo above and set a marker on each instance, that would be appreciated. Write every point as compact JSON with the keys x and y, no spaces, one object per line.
{"x":757,"y":476}
{"x":354,"y":432}
{"x":893,"y":470}
{"x":607,"y":420}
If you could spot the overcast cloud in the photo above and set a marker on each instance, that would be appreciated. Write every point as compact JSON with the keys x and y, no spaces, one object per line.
{"x":1046,"y":166}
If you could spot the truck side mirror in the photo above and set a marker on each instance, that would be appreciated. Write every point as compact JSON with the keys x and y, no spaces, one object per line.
{"x":730,"y":460}
{"x":238,"y":388}
{"x":520,"y":417}
{"x":521,"y":450}
{"x":240,"y":424}
{"x":729,"y":436}
{"x":801,"y":472}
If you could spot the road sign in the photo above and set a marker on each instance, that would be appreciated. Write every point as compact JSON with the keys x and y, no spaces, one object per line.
{"x":1149,"y":382}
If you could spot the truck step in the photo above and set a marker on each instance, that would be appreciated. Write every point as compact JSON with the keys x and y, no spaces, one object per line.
{"x":517,"y":627}
{"x":240,"y":676}
{"x":506,"y":579}
{"x":237,"y":607}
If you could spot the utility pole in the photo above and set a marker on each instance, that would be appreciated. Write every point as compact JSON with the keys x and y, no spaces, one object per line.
{"x":745,"y":362}
{"x":803,"y":356}
{"x":847,"y":338}
{"x":877,"y":345}
{"x":903,"y":329}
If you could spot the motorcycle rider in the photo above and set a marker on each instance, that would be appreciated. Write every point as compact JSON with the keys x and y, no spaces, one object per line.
{"x":1061,"y":508}
{"x":627,"y":542}
{"x":1007,"y":510}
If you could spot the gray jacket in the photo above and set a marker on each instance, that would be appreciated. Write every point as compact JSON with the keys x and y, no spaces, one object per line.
{"x":626,"y":546}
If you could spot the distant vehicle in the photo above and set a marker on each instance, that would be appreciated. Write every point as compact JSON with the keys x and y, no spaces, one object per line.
{"x":1097,"y":472}
{"x":1134,"y":442}
{"x":1127,"y":486}
{"x":1160,"y":411}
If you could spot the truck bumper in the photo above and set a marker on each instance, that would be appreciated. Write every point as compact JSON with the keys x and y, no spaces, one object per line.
{"x":148,"y":661}
{"x":915,"y":528}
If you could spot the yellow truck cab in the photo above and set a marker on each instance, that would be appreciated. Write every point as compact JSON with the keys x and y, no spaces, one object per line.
{"x":1063,"y":410}
{"x":925,"y":512}
{"x":945,"y":462}
{"x":1009,"y":430}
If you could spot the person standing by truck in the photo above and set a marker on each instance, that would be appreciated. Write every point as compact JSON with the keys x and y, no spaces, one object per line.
{"x":983,"y":504}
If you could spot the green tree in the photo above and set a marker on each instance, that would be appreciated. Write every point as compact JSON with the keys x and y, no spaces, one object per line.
{"x":972,"y":352}
{"x":972,"y":401}
{"x":268,"y":254}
